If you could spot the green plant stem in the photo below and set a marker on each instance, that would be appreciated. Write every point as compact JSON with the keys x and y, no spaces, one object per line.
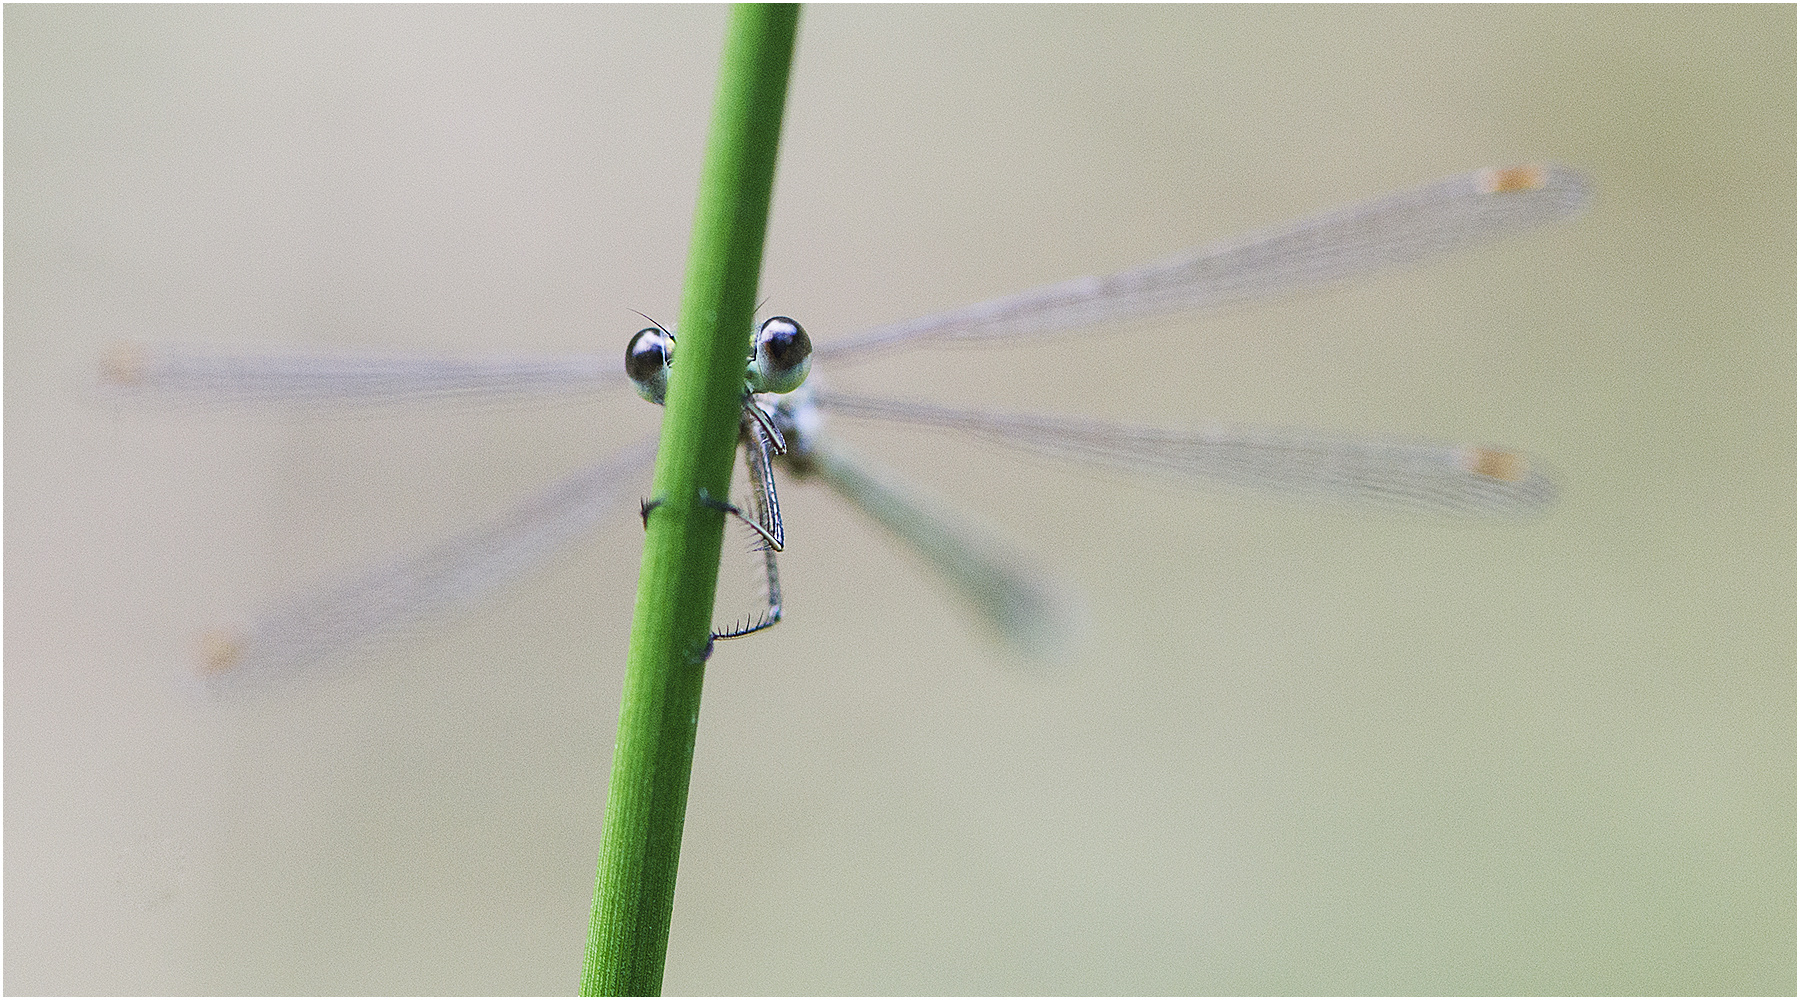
{"x":628,"y":933}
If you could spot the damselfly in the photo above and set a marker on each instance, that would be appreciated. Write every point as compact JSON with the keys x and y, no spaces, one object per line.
{"x":784,"y":422}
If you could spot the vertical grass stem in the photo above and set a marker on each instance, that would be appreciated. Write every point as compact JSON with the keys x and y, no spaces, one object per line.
{"x":628,"y":933}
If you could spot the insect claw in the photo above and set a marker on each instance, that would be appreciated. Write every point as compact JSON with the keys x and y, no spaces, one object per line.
{"x":644,"y":509}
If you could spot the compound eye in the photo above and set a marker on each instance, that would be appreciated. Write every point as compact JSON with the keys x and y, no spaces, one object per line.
{"x":782,"y":358}
{"x":647,"y":360}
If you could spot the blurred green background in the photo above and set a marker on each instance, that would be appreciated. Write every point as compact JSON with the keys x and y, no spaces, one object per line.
{"x":1301,"y":749}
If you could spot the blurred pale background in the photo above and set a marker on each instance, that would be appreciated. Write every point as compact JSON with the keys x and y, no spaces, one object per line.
{"x":1301,"y":749}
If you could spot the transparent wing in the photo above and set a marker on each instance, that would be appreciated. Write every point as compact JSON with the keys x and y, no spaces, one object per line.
{"x":1472,"y":479}
{"x":448,"y":577}
{"x":1028,"y":615}
{"x":177,"y":374}
{"x":1412,"y":225}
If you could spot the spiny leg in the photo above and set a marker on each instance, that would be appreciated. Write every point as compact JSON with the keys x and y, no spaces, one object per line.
{"x":767,"y":543}
{"x":761,"y":439}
